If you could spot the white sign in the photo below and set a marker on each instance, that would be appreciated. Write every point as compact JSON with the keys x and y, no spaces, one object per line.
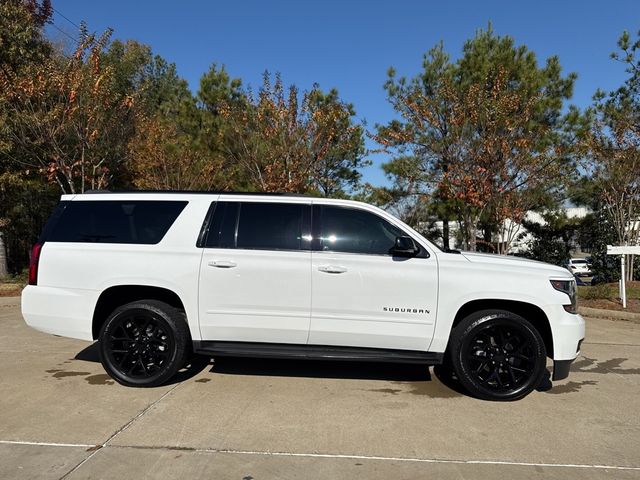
{"x":623,"y":250}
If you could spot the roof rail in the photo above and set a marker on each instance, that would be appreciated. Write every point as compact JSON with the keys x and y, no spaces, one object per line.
{"x":201,"y":192}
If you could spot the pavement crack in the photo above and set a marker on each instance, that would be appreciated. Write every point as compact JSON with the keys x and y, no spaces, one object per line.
{"x":95,"y":449}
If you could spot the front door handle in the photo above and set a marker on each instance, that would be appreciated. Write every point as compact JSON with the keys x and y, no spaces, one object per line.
{"x":332,"y":268}
{"x":222,"y":263}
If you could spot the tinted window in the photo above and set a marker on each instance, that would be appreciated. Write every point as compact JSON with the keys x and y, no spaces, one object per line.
{"x":144,"y":221}
{"x":270,"y":226}
{"x":355,"y":231}
{"x":222,"y":230}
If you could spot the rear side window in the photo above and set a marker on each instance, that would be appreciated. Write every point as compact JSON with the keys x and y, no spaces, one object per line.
{"x":270,"y":226}
{"x":222,"y":231}
{"x":260,"y":226}
{"x":127,"y":221}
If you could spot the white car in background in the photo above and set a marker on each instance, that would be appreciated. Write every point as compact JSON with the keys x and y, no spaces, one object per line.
{"x":579,"y":266}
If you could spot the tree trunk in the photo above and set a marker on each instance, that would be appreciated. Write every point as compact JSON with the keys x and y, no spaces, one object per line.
{"x":487,"y":236}
{"x":445,"y":233}
{"x":4,"y":267}
{"x":470,"y":233}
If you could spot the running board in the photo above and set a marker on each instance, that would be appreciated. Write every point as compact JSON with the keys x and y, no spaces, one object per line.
{"x":314,"y":352}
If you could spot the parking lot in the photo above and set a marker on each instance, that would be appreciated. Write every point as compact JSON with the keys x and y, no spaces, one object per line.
{"x":62,"y":417}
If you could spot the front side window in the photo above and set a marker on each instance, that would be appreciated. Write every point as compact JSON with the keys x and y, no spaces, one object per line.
{"x":259,"y":226}
{"x":351,"y":230}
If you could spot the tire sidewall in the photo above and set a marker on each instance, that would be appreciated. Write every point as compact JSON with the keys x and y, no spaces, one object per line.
{"x":465,"y":335}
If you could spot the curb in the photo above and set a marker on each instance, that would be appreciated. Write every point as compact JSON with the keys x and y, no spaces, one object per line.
{"x":615,"y":314}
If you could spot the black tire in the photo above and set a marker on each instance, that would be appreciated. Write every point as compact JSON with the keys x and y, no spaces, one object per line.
{"x":144,"y":343}
{"x":497,"y":355}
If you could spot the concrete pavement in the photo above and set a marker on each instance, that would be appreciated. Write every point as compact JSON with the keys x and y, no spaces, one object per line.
{"x":62,"y":417}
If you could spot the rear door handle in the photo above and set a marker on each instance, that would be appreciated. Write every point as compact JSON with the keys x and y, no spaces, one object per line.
{"x":222,"y":263}
{"x":332,"y":268}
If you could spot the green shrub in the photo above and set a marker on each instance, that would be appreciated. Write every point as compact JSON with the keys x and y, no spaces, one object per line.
{"x":602,"y":291}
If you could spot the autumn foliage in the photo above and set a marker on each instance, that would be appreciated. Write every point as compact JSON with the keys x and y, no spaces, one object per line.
{"x":66,"y":120}
{"x":479,"y":137}
{"x":476,"y":142}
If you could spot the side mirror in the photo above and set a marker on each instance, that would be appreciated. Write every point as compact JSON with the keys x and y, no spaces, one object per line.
{"x":405,"y":247}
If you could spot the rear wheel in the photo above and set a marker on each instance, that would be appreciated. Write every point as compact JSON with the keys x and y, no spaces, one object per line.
{"x":497,"y":355}
{"x":144,"y":343}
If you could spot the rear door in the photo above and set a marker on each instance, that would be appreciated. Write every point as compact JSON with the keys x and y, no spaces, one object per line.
{"x":255,"y":280}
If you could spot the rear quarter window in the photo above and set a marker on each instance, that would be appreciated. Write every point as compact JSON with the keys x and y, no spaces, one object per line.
{"x":114,"y":221}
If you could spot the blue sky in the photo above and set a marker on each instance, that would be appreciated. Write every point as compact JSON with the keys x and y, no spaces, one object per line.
{"x":350,"y":45}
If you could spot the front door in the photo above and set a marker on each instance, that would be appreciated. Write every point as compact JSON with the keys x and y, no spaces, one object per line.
{"x":362,"y":295}
{"x":255,"y":279}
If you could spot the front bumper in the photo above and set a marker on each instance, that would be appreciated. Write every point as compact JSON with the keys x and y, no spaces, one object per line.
{"x":568,"y":331}
{"x":561,"y":369}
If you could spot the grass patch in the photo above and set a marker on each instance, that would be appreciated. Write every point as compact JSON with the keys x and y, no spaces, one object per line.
{"x":608,"y":291}
{"x":20,"y":278}
{"x":607,"y":296}
{"x":12,"y":286}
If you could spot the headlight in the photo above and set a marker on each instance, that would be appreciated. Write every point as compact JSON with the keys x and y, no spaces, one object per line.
{"x":568,"y":287}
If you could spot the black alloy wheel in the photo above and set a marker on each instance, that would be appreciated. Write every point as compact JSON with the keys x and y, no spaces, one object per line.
{"x":498,"y":355}
{"x":143,"y":344}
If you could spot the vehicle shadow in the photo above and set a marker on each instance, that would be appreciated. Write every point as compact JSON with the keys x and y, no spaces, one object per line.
{"x":409,"y":378}
{"x":196,"y":365}
{"x":405,"y":378}
{"x":89,"y":354}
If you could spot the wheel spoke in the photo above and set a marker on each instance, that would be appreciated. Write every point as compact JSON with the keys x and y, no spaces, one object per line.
{"x":521,"y":357}
{"x":474,"y":355}
{"x":482,"y":366}
{"x":124,"y":359}
{"x":144,"y":366}
{"x":133,"y":366}
{"x":492,"y":376}
{"x":498,"y":380}
{"x":120,"y":339}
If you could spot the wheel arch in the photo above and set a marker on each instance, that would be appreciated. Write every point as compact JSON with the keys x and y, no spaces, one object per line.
{"x":529,"y":311}
{"x":115,"y":296}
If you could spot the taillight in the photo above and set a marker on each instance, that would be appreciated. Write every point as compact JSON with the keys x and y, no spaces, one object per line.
{"x":33,"y":264}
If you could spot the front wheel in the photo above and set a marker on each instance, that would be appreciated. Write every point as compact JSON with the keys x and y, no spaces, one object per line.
{"x":497,"y":355}
{"x":144,"y":343}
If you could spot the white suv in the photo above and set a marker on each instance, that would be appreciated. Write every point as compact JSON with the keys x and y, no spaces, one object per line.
{"x":157,"y":276}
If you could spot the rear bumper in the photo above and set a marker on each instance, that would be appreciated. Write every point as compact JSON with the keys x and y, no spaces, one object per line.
{"x":60,"y":311}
